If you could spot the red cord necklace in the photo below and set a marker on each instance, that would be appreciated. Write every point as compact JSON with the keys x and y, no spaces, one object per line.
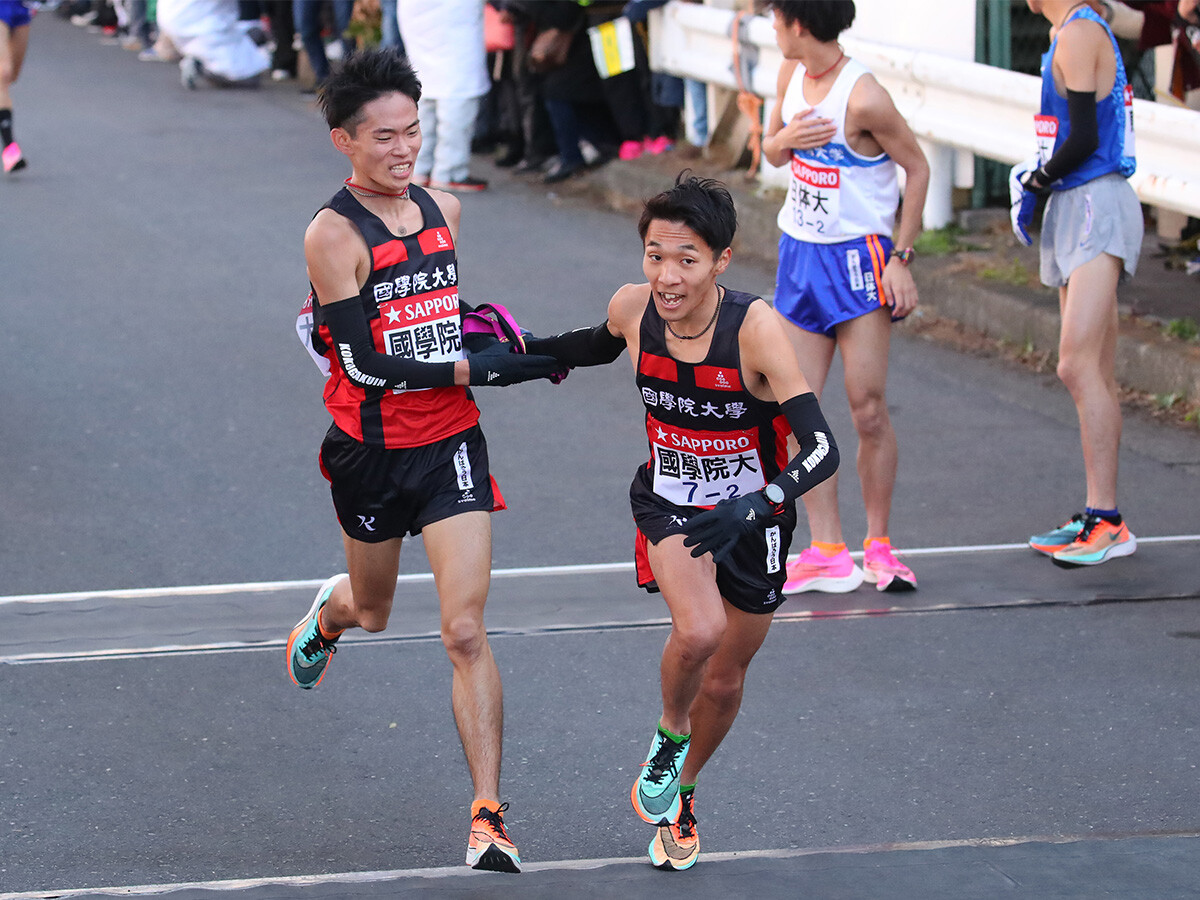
{"x":820,"y":75}
{"x":367,"y":192}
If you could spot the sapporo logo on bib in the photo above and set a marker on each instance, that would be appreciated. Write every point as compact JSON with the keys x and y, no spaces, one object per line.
{"x":816,"y":196}
{"x":1046,"y":129}
{"x":702,"y":468}
{"x":422,"y":327}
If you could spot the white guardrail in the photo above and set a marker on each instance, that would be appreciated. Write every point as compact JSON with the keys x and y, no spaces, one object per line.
{"x":949,"y":103}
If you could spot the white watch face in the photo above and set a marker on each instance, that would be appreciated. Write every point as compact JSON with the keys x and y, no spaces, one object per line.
{"x":774,"y":493}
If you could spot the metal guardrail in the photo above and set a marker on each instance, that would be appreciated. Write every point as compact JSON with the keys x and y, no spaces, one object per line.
{"x":950,"y":103}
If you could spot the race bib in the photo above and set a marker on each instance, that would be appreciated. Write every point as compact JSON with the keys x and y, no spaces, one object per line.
{"x":702,"y":468}
{"x":422,"y":327}
{"x":304,"y":326}
{"x":1046,"y":129}
{"x":815,"y":191}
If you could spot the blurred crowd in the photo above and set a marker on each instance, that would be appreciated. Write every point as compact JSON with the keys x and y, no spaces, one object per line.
{"x":549,"y":87}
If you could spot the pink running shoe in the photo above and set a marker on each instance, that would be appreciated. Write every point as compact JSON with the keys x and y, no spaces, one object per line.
{"x":13,"y":160}
{"x":814,"y":571}
{"x":630,"y":150}
{"x":881,"y":568}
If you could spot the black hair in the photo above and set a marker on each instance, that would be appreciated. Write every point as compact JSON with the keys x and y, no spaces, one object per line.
{"x":702,"y":204}
{"x":366,"y":75}
{"x":826,"y":19}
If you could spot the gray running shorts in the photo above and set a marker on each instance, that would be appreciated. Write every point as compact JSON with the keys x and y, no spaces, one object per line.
{"x":1102,"y":216}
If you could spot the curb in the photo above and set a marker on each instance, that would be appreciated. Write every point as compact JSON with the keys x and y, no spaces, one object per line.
{"x":1145,"y":360}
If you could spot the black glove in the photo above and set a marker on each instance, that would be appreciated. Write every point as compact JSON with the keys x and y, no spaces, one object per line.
{"x":497,"y":366}
{"x":720,"y":528}
{"x":477,"y":342}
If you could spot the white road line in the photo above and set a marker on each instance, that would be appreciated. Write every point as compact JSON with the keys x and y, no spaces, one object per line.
{"x":581,"y":865}
{"x":256,"y":587}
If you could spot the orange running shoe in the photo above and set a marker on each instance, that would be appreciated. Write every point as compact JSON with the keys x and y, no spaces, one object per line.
{"x":1098,"y":541}
{"x":489,"y":847}
{"x":677,"y":845}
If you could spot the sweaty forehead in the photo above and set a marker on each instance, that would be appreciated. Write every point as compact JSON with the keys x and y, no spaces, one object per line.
{"x":666,"y":235}
{"x":395,"y":111}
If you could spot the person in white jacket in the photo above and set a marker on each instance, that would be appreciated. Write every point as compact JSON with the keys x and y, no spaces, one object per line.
{"x":444,"y":43}
{"x":213,"y":42}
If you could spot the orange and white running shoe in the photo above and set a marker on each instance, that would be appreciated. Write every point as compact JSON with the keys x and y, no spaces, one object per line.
{"x":489,"y":846}
{"x":676,"y":845}
{"x":882,"y":569}
{"x":1098,"y":541}
{"x":814,"y":571}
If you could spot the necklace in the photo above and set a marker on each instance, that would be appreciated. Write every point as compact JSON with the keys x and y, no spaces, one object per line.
{"x":367,"y":192}
{"x":1071,"y":10}
{"x":820,"y":75}
{"x":703,"y":331}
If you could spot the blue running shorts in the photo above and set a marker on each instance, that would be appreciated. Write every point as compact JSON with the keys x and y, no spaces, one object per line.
{"x":819,"y":286}
{"x":14,"y":14}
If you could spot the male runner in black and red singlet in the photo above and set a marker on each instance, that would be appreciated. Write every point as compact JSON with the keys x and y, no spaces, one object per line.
{"x":405,"y":453}
{"x":714,"y":504}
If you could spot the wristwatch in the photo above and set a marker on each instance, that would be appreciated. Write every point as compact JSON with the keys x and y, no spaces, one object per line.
{"x":774,"y":493}
{"x":905,"y":256}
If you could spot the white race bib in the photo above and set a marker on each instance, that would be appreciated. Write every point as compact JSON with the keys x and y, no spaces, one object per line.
{"x":702,"y":468}
{"x":815,"y":193}
{"x":423,"y":327}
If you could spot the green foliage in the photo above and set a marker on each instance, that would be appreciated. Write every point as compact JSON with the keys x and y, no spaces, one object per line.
{"x":1013,"y":272}
{"x":1185,"y":329}
{"x":940,"y":241}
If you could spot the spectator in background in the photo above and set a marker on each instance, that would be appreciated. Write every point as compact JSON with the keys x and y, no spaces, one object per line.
{"x":14,"y":41}
{"x":309,"y":18}
{"x":284,"y":59}
{"x":213,"y":42}
{"x":444,"y":42}
{"x":531,"y":142}
{"x":571,"y":89}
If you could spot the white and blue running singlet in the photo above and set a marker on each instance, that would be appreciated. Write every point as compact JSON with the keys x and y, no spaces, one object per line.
{"x":835,"y":194}
{"x":1114,"y":120}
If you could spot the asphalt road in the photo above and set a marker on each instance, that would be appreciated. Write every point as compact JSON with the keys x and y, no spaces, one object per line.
{"x":160,"y":430}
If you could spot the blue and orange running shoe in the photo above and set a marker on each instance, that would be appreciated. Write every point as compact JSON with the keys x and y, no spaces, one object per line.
{"x":309,"y":650}
{"x":677,"y":845}
{"x":1098,"y":541}
{"x":489,"y":846}
{"x":1060,"y":538}
{"x":655,"y":794}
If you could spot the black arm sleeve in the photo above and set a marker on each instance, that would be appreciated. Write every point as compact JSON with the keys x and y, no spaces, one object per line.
{"x":1082,"y":140}
{"x":818,"y":455}
{"x":366,"y":366}
{"x":581,"y":347}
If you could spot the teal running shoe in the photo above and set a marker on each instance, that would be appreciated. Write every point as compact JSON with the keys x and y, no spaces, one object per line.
{"x":655,"y":794}
{"x":308,"y":650}
{"x":1060,"y":538}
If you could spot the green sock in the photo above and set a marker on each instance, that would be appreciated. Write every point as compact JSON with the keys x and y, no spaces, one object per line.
{"x":677,"y":738}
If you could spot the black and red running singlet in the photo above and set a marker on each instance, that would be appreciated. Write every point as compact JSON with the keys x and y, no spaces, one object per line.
{"x":411,"y":303}
{"x":710,"y":438}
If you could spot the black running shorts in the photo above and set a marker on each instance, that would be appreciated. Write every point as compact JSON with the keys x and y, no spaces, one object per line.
{"x":383,"y":494}
{"x":750,"y":578}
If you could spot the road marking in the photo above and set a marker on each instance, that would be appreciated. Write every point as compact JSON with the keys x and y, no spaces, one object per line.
{"x":258,"y":587}
{"x":579,"y":865}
